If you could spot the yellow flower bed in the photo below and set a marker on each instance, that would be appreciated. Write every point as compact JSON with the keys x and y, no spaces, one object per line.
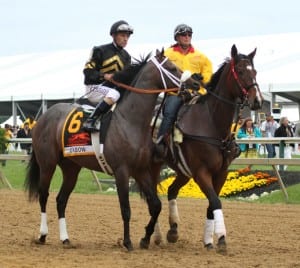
{"x":235,"y":182}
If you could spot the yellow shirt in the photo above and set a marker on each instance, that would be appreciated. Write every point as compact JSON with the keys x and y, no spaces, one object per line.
{"x":194,"y":61}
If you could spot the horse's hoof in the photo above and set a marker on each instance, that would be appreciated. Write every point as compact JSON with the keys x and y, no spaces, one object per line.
{"x":172,"y":236}
{"x":67,"y":244}
{"x":41,"y":240}
{"x":157,"y":240}
{"x":144,"y":243}
{"x":209,"y":246}
{"x":129,"y":247}
{"x":221,"y":246}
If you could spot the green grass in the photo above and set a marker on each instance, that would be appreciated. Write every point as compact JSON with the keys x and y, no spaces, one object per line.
{"x":15,"y":172}
{"x":278,"y":196}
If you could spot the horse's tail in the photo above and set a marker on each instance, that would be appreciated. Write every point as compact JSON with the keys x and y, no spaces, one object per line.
{"x":32,"y":179}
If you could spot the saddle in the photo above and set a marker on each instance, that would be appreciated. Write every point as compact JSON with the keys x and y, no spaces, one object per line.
{"x":78,"y":142}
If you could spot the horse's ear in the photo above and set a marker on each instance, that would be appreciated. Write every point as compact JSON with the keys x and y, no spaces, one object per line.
{"x":252,"y":54}
{"x":160,"y":54}
{"x":234,"y":51}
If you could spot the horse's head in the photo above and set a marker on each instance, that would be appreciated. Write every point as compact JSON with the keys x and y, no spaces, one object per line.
{"x":244,"y":74}
{"x":171,"y":75}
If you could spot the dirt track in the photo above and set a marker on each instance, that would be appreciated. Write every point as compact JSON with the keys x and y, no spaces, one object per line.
{"x":257,"y":235}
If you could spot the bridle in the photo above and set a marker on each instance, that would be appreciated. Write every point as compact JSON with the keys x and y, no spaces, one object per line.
{"x":243,"y":89}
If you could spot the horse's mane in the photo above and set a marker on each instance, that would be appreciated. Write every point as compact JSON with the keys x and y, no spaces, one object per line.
{"x":127,"y":75}
{"x":216,"y":76}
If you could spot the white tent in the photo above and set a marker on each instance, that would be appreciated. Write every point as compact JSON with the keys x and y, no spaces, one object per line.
{"x":57,"y":75}
{"x":10,"y":121}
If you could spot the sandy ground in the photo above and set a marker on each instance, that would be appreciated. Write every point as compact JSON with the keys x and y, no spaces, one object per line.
{"x":257,"y":235}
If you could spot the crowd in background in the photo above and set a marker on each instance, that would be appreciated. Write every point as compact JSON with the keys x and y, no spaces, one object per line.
{"x":268,"y":128}
{"x":23,"y":131}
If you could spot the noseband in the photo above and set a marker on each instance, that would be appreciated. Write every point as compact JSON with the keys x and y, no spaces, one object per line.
{"x":243,"y":89}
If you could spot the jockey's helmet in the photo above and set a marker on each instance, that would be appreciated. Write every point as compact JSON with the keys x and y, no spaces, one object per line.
{"x":121,"y":26}
{"x":182,"y":28}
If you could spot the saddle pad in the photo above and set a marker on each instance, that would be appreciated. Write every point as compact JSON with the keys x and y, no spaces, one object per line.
{"x":76,"y":141}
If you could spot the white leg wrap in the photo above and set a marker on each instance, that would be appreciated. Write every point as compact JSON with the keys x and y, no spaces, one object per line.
{"x":173,"y":212}
{"x":220,"y":229}
{"x":209,"y":228}
{"x":157,"y":235}
{"x":44,"y":226}
{"x":63,"y":234}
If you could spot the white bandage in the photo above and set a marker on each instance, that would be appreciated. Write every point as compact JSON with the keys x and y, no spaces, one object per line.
{"x":63,"y":234}
{"x":220,"y":229}
{"x":173,"y":212}
{"x":44,"y":226}
{"x":209,"y":227}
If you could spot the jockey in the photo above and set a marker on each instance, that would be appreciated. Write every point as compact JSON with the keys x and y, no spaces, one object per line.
{"x":186,"y":57}
{"x":98,"y":71}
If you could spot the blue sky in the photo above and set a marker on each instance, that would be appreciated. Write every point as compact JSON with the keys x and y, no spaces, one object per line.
{"x":29,"y":26}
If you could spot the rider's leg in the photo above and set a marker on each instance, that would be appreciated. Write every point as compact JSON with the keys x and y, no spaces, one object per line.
{"x":171,"y":108}
{"x":103,"y":107}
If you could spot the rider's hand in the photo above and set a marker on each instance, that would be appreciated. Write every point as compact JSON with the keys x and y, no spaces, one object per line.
{"x":185,"y":95}
{"x":197,"y":76}
{"x":108,"y":77}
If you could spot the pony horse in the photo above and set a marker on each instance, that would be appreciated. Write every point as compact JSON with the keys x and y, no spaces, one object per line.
{"x":127,"y":149}
{"x":207,"y":146}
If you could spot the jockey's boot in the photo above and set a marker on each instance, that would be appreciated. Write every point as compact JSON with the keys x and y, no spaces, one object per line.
{"x":90,"y":124}
{"x":160,"y":150}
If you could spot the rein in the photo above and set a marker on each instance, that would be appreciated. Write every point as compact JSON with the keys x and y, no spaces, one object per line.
{"x":143,"y":91}
{"x":163,"y":72}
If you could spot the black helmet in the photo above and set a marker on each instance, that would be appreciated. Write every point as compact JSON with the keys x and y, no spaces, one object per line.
{"x":121,"y":26}
{"x":182,"y":28}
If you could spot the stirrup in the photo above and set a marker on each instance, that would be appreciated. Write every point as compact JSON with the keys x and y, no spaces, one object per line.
{"x":91,"y":126}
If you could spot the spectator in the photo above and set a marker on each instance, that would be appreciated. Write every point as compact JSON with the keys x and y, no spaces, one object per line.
{"x":236,"y":126}
{"x":285,"y":130}
{"x":268,"y":128}
{"x":248,"y":130}
{"x":30,"y":120}
{"x":7,"y":135}
{"x":25,"y":133}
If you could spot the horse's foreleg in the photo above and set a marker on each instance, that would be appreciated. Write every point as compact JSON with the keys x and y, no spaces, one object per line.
{"x":70,"y":173}
{"x":157,"y":234}
{"x":214,"y":224}
{"x":180,"y":180}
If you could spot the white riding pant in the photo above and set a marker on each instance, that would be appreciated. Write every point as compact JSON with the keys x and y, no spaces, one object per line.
{"x":96,"y":93}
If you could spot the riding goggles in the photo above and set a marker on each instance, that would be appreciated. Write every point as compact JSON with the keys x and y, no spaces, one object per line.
{"x":182,"y":30}
{"x":124,"y":28}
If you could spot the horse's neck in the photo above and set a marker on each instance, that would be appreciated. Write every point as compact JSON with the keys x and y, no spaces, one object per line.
{"x":137,"y":109}
{"x":222,"y":112}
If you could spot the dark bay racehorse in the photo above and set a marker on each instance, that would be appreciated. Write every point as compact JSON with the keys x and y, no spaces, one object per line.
{"x":208,"y":147}
{"x":127,"y":149}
